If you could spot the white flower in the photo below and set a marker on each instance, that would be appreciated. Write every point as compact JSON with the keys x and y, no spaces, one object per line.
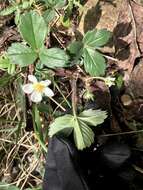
{"x":109,"y":81}
{"x":37,"y":89}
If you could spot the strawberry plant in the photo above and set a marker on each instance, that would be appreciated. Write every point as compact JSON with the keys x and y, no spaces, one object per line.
{"x":32,"y":51}
{"x":42,"y":65}
{"x":34,"y":30}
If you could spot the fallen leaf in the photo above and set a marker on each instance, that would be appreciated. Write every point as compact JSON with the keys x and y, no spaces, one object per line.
{"x":138,"y":17}
{"x":126,"y":35}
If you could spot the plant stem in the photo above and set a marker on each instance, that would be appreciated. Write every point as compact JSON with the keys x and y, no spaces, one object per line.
{"x":121,"y":133}
{"x":98,"y":78}
{"x":74,"y":96}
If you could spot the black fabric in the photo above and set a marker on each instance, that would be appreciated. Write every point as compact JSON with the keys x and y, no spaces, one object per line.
{"x":107,"y":167}
{"x":62,"y":171}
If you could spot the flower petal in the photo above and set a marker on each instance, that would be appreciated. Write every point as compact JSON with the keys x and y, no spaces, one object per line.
{"x":48,"y":92}
{"x":28,"y":88}
{"x":46,"y":82}
{"x":32,"y":78}
{"x":36,"y":97}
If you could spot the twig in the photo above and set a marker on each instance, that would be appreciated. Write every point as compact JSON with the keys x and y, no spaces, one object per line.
{"x":8,"y":141}
{"x":57,"y":38}
{"x":59,"y":105}
{"x":122,"y":133}
{"x":62,"y":103}
{"x":109,"y":57}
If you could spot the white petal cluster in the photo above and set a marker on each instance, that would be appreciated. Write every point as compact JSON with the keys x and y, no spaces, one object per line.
{"x":37,"y":89}
{"x":109,"y":81}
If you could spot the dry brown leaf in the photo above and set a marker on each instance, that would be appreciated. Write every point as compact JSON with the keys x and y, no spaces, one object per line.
{"x":138,"y":17}
{"x":126,"y":36}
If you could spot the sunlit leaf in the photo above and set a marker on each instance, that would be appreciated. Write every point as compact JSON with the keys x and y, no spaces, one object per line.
{"x":21,"y":55}
{"x":62,"y":124}
{"x":96,"y":38}
{"x":93,"y":117}
{"x":4,"y":62}
{"x":33,"y":29}
{"x":54,"y":57}
{"x":83,"y":134}
{"x":94,"y":62}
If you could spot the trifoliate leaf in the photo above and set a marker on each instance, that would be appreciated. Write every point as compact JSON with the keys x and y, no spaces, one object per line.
{"x":94,"y":62}
{"x":83,"y":134}
{"x":21,"y":55}
{"x":96,"y":38}
{"x":33,"y":29}
{"x":62,"y":124}
{"x":93,"y":117}
{"x":54,"y":57}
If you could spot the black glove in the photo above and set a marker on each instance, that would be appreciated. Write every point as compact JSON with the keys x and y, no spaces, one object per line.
{"x":107,"y":167}
{"x":62,"y":167}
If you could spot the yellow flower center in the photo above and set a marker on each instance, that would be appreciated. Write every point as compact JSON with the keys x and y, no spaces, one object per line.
{"x":39,"y":87}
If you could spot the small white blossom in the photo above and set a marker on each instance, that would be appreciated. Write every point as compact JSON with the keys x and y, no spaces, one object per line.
{"x":37,"y":89}
{"x":109,"y":81}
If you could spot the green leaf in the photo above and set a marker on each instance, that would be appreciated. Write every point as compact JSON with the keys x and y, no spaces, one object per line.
{"x":4,"y":62}
{"x":66,"y":22}
{"x":93,"y":117}
{"x":17,"y":16}
{"x":94,"y":62}
{"x":25,"y":5}
{"x":75,"y":47}
{"x":49,"y":15}
{"x":37,"y":127}
{"x":33,"y":29}
{"x":4,"y":186}
{"x":83,"y":135}
{"x":96,"y":38}
{"x":62,"y":124}
{"x":57,"y":4}
{"x":11,"y":69}
{"x":43,"y":108}
{"x":6,"y":65}
{"x":21,"y":55}
{"x":54,"y":58}
{"x":8,"y":11}
{"x":5,"y":79}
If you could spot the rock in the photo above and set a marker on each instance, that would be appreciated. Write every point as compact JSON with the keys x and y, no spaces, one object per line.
{"x":136,"y":81}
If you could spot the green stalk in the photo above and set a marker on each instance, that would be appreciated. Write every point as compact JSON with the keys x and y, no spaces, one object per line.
{"x":37,"y":127}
